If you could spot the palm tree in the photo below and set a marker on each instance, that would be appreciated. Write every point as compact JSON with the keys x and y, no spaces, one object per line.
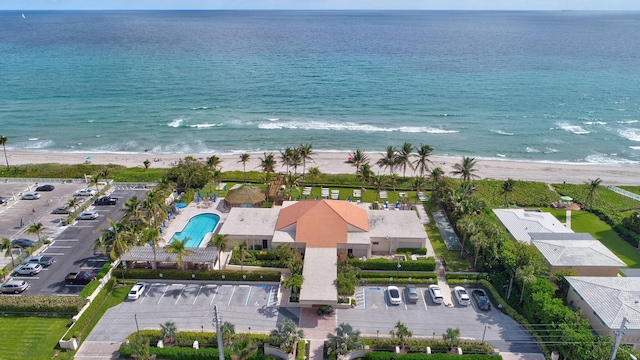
{"x":286,"y":335}
{"x":479,"y":241}
{"x":418,"y":185}
{"x":7,"y":247}
{"x":452,"y":336}
{"x":114,"y":240}
{"x":3,"y":142}
{"x":243,"y":159}
{"x":506,"y":189}
{"x":227,"y":329}
{"x":345,"y":339}
{"x":305,"y":150}
{"x":94,"y":181}
{"x":378,"y":182}
{"x":403,"y":158}
{"x":151,"y":236}
{"x":285,"y":157}
{"x":465,"y":168}
{"x":295,"y":160}
{"x":268,"y":163}
{"x":365,"y":173}
{"x":220,"y":243}
{"x":168,"y":330}
{"x":213,"y":162}
{"x":422,"y":162}
{"x":436,"y":176}
{"x":292,"y":181}
{"x":358,"y":158}
{"x":217,"y":178}
{"x":314,"y":174}
{"x":388,"y":159}
{"x":467,"y":227}
{"x":392,"y":180}
{"x":132,"y":209}
{"x":243,"y":348}
{"x":400,"y":331}
{"x":294,"y":282}
{"x":36,"y":229}
{"x":73,"y":203}
{"x":526,"y":274}
{"x":241,"y":248}
{"x":179,"y":247}
{"x":592,"y":186}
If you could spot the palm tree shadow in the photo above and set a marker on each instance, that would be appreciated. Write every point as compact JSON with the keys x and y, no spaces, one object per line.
{"x":268,"y":311}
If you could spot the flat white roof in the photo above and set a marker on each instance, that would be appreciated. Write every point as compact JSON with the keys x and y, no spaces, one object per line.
{"x":577,"y":253}
{"x":319,"y":272}
{"x":396,"y":224}
{"x":256,"y":222}
{"x":520,"y":223}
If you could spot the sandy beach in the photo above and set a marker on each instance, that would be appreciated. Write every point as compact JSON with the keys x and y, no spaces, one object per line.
{"x":335,"y":163}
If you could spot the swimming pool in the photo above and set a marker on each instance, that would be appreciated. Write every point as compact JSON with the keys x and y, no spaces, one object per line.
{"x":196,"y":229}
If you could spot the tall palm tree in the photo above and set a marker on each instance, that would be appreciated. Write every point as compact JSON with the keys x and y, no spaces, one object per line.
{"x":467,"y":226}
{"x":365,"y":173}
{"x":345,"y":339}
{"x":466,"y":168}
{"x":219,"y":241}
{"x":36,"y":229}
{"x":403,"y":158}
{"x":358,"y":158}
{"x":213,"y":162}
{"x":480,"y":242}
{"x":3,"y":142}
{"x":7,"y":247}
{"x":295,"y":160}
{"x":179,"y":247}
{"x":151,"y":236}
{"x":241,"y":248}
{"x":285,"y":157}
{"x":133,"y":212}
{"x":168,"y":330}
{"x":392,"y":180}
{"x":506,"y":189}
{"x":401,"y":331}
{"x":526,"y":274}
{"x":378,"y":182}
{"x":113,"y":240}
{"x":452,"y":336}
{"x":314,"y":174}
{"x":292,"y":181}
{"x":592,"y":186}
{"x":227,"y":329}
{"x":286,"y":335}
{"x":306,"y":150}
{"x":388,"y":159}
{"x":268,"y":163}
{"x":243,"y":159}
{"x":422,"y":162}
{"x":418,"y":185}
{"x":437,"y":177}
{"x":73,"y":203}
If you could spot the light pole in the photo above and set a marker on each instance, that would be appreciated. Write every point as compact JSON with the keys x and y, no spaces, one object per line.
{"x":377,"y":333}
{"x":135,"y":317}
{"x":399,"y":266}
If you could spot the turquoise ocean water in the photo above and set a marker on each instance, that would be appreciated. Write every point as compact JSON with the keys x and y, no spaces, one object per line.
{"x":545,"y":86}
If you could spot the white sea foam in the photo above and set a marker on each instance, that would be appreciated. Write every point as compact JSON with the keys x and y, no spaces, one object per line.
{"x":501,"y":155}
{"x":176,"y":123}
{"x":532,"y":150}
{"x":37,"y":144}
{"x":595,"y":123}
{"x":575,"y":129}
{"x":273,"y":119}
{"x":607,"y":159}
{"x":200,"y":108}
{"x":33,"y":139}
{"x":551,"y":151}
{"x":349,"y":126}
{"x":631,"y":121}
{"x":98,"y":136}
{"x":204,"y":126}
{"x":91,"y":121}
{"x":632,"y":134}
{"x":502,"y":132}
{"x":634,"y":147}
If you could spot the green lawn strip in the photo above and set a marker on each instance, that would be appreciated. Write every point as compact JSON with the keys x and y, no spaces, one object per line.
{"x":116,"y":297}
{"x":582,"y":221}
{"x":454,"y":263}
{"x":30,"y":337}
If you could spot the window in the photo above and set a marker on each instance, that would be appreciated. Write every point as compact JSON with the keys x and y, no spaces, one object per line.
{"x":577,"y":293}
{"x":375,"y":243}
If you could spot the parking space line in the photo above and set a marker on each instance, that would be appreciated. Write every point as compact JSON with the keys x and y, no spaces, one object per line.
{"x":269,"y":298}
{"x":60,"y":246}
{"x":231,"y":297}
{"x":179,"y":296}
{"x":214,"y":295}
{"x":384,"y":296}
{"x":57,"y":240}
{"x":165,"y":290}
{"x":52,"y":254}
{"x":198,"y":294}
{"x":248,"y":296}
{"x":424,"y":299}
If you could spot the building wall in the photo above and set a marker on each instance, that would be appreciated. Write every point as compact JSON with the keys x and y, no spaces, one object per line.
{"x":608,"y":271}
{"x":359,"y":250}
{"x":588,"y":313}
{"x":389,"y":246}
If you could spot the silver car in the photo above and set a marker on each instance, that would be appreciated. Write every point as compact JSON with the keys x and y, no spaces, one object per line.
{"x":13,"y":287}
{"x":88,"y":215}
{"x":27,"y":269}
{"x":30,"y":196}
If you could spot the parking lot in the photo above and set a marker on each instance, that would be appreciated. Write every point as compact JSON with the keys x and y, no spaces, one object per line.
{"x":190,"y":305}
{"x":374,"y":315}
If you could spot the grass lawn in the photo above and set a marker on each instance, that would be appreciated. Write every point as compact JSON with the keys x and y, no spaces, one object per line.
{"x":454,"y":263}
{"x":30,"y":337}
{"x":582,"y":221}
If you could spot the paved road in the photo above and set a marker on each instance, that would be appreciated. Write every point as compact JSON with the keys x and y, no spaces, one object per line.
{"x":73,"y":251}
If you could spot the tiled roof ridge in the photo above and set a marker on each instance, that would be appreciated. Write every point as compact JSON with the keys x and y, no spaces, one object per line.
{"x":341,"y":216}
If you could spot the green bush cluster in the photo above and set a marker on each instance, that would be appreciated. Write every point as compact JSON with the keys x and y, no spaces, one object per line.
{"x":474,"y":276}
{"x":178,"y":353}
{"x":59,"y":171}
{"x":186,"y":338}
{"x":416,"y":251}
{"x":437,"y":346}
{"x":214,"y":275}
{"x":301,"y":349}
{"x":389,"y":356}
{"x":89,"y":289}
{"x":78,"y":328}
{"x":428,"y":264}
{"x":50,"y":305}
{"x":104,"y":270}
{"x":403,"y":275}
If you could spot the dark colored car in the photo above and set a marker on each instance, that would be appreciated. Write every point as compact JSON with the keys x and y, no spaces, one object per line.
{"x":412,"y":293}
{"x":3,"y":200}
{"x":106,"y":200}
{"x":47,"y":187}
{"x":39,"y":259}
{"x":481,"y":299}
{"x":23,"y":243}
{"x":61,"y":210}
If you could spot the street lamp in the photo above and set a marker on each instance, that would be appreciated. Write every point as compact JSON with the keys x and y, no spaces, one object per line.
{"x":399,"y":266}
{"x":377,"y":333}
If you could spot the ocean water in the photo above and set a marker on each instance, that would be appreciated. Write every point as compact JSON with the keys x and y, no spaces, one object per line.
{"x":544,"y":86}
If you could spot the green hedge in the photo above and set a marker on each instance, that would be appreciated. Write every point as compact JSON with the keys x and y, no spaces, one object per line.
{"x":77,"y":329}
{"x":437,"y":346}
{"x":178,"y":353}
{"x":472,"y":276}
{"x":398,"y":281}
{"x":399,"y":275}
{"x":215,"y":275}
{"x":428,"y":264}
{"x":51,"y":305}
{"x":301,"y":350}
{"x":390,"y":355}
{"x":89,"y":289}
{"x":416,"y":251}
{"x":186,"y":338}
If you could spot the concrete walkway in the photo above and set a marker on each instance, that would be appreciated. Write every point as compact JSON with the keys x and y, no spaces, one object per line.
{"x":315,"y":329}
{"x":624,"y":193}
{"x":98,"y":350}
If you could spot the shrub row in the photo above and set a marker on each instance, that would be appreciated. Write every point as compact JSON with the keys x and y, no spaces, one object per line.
{"x":416,"y":251}
{"x":469,"y":276}
{"x":398,"y":281}
{"x":428,"y":264}
{"x":301,"y":350}
{"x":178,"y":353}
{"x":52,"y":305}
{"x":77,"y":329}
{"x":216,"y":275}
{"x":437,"y":346}
{"x":388,"y":356}
{"x":89,"y":289}
{"x":186,"y":338}
{"x":404,"y":275}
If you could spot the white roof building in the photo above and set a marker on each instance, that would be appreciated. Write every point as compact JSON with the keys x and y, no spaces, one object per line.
{"x":519,"y":223}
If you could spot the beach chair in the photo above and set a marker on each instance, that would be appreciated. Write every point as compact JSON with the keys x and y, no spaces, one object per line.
{"x":324,"y":192}
{"x":335,"y":194}
{"x":383,"y":194}
{"x":357,"y":193}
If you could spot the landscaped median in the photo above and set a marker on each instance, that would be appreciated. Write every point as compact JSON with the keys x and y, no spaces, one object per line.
{"x":210,"y":275}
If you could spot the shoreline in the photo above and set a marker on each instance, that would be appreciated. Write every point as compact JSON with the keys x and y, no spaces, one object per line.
{"x":334,"y":162}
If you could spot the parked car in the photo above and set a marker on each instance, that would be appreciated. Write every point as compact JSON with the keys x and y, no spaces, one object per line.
{"x":85,"y":192}
{"x":13,"y":287}
{"x":23,"y":243}
{"x":436,"y":294}
{"x":137,"y":290}
{"x":46,"y":187}
{"x":88,"y":215}
{"x":482,"y":300}
{"x":106,"y":200}
{"x":412,"y":293}
{"x":394,"y":295}
{"x":30,"y":196}
{"x":27,"y":269}
{"x":80,"y":278}
{"x":61,"y":210}
{"x":3,"y":200}
{"x":39,"y":259}
{"x":461,"y":296}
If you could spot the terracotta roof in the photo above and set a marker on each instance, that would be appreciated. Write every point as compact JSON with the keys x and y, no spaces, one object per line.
{"x":323,"y":223}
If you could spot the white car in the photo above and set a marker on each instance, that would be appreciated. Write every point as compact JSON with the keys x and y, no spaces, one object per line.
{"x":85,"y":192}
{"x":394,"y":295}
{"x":88,"y":215}
{"x":137,"y":290}
{"x":30,"y":196}
{"x":462,"y":296}
{"x":436,"y":294}
{"x":27,"y":269}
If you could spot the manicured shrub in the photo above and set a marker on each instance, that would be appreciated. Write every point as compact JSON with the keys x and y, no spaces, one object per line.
{"x":403,"y":275}
{"x":428,"y":264}
{"x":89,"y":289}
{"x":389,"y":356}
{"x":78,"y":328}
{"x":416,"y":251}
{"x":437,"y":346}
{"x":214,"y":275}
{"x":301,"y":350}
{"x":41,"y":304}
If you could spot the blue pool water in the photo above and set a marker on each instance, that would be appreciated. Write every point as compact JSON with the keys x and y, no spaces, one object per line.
{"x":197,"y":228}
